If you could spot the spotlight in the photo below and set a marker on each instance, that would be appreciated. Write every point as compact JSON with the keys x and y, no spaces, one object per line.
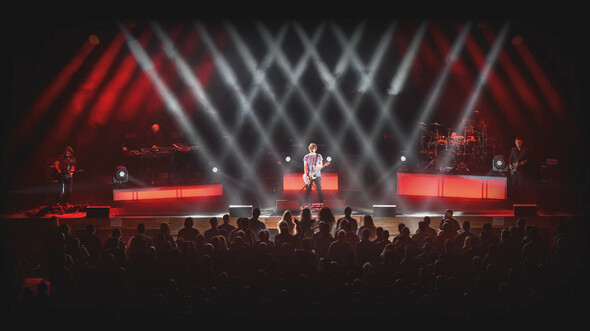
{"x":329,"y":159}
{"x":215,"y":170}
{"x":403,"y":158}
{"x":288,"y":159}
{"x":499,"y":164}
{"x":121,"y":175}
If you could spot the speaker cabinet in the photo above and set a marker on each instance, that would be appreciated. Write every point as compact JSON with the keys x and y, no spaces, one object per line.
{"x":384,"y":210}
{"x":240,"y":210}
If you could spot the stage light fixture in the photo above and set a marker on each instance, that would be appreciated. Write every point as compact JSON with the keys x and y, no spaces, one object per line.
{"x":215,"y":169}
{"x":499,"y":164}
{"x":288,"y":159}
{"x":121,"y":175}
{"x":403,"y":158}
{"x":329,"y":159}
{"x":93,"y":39}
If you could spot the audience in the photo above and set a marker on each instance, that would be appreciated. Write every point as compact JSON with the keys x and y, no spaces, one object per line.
{"x":460,"y":280}
{"x":466,"y":232}
{"x":351,"y":220}
{"x":340,"y":249}
{"x":92,"y":243}
{"x":307,"y":223}
{"x":140,"y":241}
{"x":327,"y":216}
{"x":449,"y":219}
{"x":322,"y":240}
{"x":430,"y":232}
{"x":369,"y":224}
{"x":225,"y":227}
{"x":213,"y":231}
{"x":256,"y":225}
{"x":188,"y":233}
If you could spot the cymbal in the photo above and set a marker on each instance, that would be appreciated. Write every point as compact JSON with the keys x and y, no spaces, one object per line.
{"x":435,"y":124}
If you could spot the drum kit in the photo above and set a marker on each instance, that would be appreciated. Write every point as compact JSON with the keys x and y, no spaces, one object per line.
{"x":450,"y":152}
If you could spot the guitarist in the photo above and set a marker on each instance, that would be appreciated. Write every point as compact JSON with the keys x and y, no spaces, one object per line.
{"x":311,"y":162}
{"x":519,"y":168}
{"x":65,"y":166}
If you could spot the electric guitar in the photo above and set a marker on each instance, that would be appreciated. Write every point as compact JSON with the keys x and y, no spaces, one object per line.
{"x":516,"y":166}
{"x":56,"y":175}
{"x":311,"y":176}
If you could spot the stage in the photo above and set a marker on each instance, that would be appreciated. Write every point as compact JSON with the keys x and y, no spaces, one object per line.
{"x":478,"y":198}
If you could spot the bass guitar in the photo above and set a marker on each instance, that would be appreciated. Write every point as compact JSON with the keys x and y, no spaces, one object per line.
{"x":312,"y":174}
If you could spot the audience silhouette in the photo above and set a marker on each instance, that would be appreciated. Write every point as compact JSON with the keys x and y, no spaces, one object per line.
{"x":240,"y":278}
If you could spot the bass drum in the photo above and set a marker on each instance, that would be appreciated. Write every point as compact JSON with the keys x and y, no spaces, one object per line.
{"x":446,"y":160}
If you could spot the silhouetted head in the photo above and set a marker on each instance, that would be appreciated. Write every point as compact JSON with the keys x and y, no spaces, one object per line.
{"x":466,"y":225}
{"x":165,"y":227}
{"x":347,"y":211}
{"x":368,"y":220}
{"x":90,"y":228}
{"x":448,"y":213}
{"x":189,"y":222}
{"x":256,"y":212}
{"x":141,"y":228}
{"x":306,"y":213}
{"x":365,"y":234}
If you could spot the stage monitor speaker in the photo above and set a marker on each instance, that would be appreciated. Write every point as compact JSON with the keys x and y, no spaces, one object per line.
{"x":525,"y":210}
{"x":292,"y":205}
{"x":240,"y":210}
{"x":384,"y":210}
{"x":337,"y":206}
{"x":98,"y":211}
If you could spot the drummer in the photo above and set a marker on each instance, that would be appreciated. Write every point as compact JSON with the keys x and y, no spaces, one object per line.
{"x":473,"y":125}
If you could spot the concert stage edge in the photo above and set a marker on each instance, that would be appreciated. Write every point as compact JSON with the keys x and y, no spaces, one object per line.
{"x":430,"y":195}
